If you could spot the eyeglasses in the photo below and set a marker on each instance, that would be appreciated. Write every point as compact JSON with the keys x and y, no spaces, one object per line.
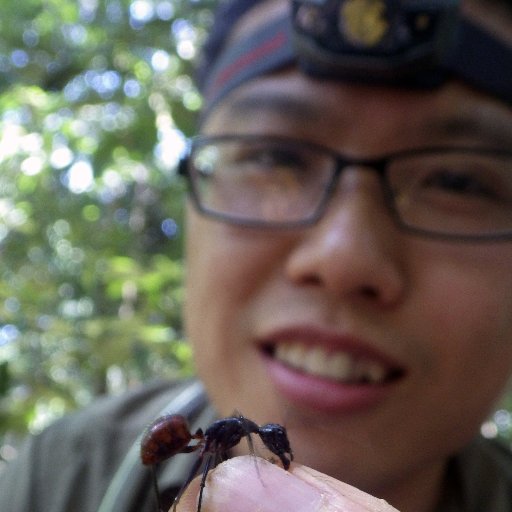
{"x":279,"y":182}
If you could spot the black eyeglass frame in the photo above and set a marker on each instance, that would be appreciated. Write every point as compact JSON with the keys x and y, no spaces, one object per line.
{"x":340,"y":163}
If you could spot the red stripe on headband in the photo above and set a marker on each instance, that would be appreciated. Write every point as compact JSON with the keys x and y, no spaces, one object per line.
{"x":247,"y":59}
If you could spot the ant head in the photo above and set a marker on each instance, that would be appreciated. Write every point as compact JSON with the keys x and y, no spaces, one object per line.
{"x":275,"y":438}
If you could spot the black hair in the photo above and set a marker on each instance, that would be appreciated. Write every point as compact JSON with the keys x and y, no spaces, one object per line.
{"x":505,"y":4}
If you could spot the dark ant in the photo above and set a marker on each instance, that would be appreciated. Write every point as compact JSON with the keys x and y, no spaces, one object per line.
{"x":170,"y":435}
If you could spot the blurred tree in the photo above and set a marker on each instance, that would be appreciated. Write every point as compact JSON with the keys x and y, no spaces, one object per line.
{"x":95,"y":103}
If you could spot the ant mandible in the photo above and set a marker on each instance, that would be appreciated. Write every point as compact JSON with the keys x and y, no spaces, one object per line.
{"x":170,"y":435}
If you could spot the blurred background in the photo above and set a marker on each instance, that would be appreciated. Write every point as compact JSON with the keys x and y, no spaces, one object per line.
{"x":96,"y":102}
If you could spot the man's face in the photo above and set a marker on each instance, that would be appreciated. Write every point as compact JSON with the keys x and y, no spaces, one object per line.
{"x":427,"y":321}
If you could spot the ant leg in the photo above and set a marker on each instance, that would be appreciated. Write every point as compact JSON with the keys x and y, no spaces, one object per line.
{"x":203,"y":481}
{"x":250,"y":428}
{"x":190,"y":449}
{"x":199,"y":434}
{"x":191,"y":475}
{"x":155,"y":487}
{"x":250,"y":443}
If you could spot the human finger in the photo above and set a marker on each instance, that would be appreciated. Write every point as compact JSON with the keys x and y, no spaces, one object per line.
{"x":246,"y":484}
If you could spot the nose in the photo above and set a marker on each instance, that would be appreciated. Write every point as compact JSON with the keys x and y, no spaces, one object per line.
{"x":355,"y":249}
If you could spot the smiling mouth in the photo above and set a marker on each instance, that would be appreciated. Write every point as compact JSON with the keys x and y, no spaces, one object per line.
{"x":335,"y":365}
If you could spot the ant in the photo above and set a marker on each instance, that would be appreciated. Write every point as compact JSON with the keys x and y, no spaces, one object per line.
{"x":170,"y":435}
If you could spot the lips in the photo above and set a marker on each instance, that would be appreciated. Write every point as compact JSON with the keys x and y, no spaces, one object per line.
{"x":318,"y":369}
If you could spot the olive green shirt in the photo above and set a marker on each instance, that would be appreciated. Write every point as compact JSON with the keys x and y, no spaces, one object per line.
{"x":89,"y":461}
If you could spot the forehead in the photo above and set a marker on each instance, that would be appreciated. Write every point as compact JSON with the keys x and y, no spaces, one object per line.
{"x":290,"y":103}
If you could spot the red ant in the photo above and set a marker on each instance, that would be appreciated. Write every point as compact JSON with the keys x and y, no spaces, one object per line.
{"x":170,"y":435}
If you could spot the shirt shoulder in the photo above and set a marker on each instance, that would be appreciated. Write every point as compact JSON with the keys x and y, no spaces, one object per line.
{"x":69,"y":465}
{"x":481,"y":478}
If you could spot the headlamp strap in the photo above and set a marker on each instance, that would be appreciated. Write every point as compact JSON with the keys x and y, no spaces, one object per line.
{"x":267,"y":50}
{"x":483,"y":61}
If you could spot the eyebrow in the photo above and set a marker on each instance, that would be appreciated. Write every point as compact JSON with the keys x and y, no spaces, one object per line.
{"x":292,"y":108}
{"x":486,"y":127}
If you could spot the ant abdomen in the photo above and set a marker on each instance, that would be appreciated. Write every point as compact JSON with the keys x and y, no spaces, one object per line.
{"x":165,"y":437}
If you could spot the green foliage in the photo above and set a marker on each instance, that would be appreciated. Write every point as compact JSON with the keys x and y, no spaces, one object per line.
{"x":95,"y":103}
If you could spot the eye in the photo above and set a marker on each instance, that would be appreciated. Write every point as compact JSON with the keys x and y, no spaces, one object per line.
{"x":462,"y":183}
{"x":457,"y":177}
{"x":270,"y":158}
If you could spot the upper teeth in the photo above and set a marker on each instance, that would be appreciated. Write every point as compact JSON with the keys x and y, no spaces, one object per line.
{"x":340,"y":366}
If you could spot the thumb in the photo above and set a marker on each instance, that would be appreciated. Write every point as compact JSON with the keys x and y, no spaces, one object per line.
{"x":249,"y":484}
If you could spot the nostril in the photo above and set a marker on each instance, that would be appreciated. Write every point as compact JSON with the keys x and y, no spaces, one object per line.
{"x":370,"y":292}
{"x":311,"y":279}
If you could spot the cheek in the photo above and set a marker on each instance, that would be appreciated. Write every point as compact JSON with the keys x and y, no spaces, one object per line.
{"x":226,"y":267}
{"x":470,"y":315}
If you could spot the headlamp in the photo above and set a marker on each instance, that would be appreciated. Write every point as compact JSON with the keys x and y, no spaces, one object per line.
{"x":398,"y":42}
